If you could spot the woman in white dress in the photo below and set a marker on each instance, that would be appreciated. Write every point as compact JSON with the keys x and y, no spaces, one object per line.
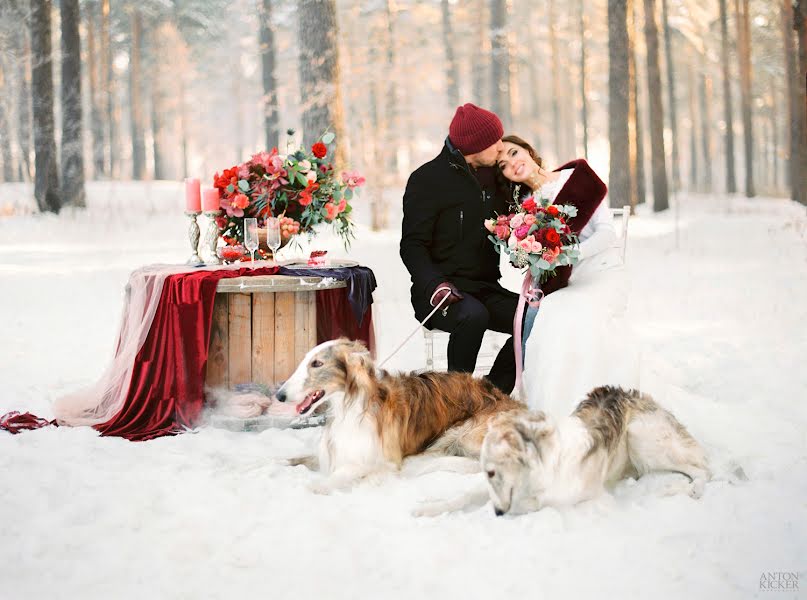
{"x":579,"y":337}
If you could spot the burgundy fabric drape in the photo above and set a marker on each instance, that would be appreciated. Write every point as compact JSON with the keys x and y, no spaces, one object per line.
{"x":584,"y":190}
{"x":335,"y":319}
{"x":167,"y":389}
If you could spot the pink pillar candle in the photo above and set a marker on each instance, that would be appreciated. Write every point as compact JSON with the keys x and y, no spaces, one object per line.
{"x":210,"y":200}
{"x":193,"y":197}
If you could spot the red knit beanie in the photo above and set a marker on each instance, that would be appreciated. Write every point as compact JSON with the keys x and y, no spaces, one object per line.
{"x":473,"y":129}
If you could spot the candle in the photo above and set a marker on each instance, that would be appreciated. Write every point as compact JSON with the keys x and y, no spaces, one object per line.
{"x":193,"y":199}
{"x":210,"y":199}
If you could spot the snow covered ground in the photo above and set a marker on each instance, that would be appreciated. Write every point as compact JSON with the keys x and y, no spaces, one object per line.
{"x":721,"y":314}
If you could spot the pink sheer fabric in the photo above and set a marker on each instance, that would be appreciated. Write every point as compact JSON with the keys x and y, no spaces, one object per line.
{"x":104,"y":399}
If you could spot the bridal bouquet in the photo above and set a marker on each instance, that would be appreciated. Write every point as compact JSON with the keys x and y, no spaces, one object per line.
{"x":301,"y":188}
{"x":536,"y":236}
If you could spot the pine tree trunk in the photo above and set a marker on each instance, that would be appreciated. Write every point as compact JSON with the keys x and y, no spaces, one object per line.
{"x":500,"y":61}
{"x":271,"y":123}
{"x":94,"y":64}
{"x":392,"y":120}
{"x":318,"y":33}
{"x":109,"y":106}
{"x":694,"y":161}
{"x":706,"y":123}
{"x":557,"y":94}
{"x":583,"y":90}
{"x":5,"y":133}
{"x":657,"y":155}
{"x":46,"y":170}
{"x":800,"y":24}
{"x":72,"y":142}
{"x":135,"y":98}
{"x":24,"y":103}
{"x":792,"y":87}
{"x":452,"y":68}
{"x":156,"y":80}
{"x":618,"y":102}
{"x":635,"y":123}
{"x":671,"y":108}
{"x":744,"y":54}
{"x":480,"y":59}
{"x":728,"y":112}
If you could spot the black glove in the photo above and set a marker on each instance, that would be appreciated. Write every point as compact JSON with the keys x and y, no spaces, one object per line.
{"x":451,"y":292}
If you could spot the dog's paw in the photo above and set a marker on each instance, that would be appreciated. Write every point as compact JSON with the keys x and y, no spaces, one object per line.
{"x":429,"y":509}
{"x":696,"y":488}
{"x":321,"y":488}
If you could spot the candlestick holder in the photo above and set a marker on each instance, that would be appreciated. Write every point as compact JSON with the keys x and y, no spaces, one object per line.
{"x":193,"y":238}
{"x":211,"y":237}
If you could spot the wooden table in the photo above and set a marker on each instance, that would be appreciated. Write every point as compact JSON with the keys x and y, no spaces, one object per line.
{"x":262,"y":328}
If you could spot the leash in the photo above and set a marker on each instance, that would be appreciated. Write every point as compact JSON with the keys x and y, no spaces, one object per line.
{"x":423,"y":322}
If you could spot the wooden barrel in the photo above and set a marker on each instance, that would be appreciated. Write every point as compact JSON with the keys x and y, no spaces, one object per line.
{"x":262,"y":328}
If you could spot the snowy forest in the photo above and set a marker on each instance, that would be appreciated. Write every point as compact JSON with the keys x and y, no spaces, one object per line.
{"x":682,"y":95}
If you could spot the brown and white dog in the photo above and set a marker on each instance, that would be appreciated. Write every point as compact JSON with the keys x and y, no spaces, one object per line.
{"x":376,"y":419}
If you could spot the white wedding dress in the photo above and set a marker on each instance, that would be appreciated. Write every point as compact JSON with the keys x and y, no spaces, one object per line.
{"x":581,"y":337}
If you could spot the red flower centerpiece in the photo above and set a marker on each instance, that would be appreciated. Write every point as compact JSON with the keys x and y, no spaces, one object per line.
{"x":301,"y":188}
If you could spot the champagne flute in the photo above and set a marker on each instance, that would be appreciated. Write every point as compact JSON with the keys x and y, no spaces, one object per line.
{"x":251,"y":237}
{"x":273,"y":236}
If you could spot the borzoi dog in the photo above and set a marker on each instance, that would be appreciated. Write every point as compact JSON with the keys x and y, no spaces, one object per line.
{"x":375,"y":419}
{"x":530,"y":461}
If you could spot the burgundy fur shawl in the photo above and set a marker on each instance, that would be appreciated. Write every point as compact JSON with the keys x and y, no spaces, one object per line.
{"x":584,"y":190}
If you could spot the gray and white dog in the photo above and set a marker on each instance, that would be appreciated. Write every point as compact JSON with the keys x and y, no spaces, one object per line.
{"x":530,"y":461}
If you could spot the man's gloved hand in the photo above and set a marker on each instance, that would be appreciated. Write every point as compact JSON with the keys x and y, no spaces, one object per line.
{"x":446,"y":289}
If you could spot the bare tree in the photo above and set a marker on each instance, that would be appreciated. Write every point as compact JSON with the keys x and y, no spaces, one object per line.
{"x":706,"y":123}
{"x":480,"y":59}
{"x":72,"y":144}
{"x":793,"y":106}
{"x":657,"y":155}
{"x":156,"y":72}
{"x":583,"y":90}
{"x":5,"y":133}
{"x":46,"y":178}
{"x":500,"y":52}
{"x":728,"y":113}
{"x":108,"y":85}
{"x":452,"y":68}
{"x":744,"y":54}
{"x":318,"y":32}
{"x":271,"y":124}
{"x":671,"y":109}
{"x":800,"y":24}
{"x":23,"y":46}
{"x":94,"y":63}
{"x":135,"y":96}
{"x":635,"y":119}
{"x":618,"y":102}
{"x":557,"y":93}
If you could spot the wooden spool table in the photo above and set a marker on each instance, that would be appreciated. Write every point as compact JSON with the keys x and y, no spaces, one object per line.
{"x":262,"y":328}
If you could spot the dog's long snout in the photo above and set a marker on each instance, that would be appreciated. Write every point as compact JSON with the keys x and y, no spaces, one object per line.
{"x":281,"y":395}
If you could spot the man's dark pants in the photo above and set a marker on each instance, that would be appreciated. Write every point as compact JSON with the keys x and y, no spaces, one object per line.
{"x":467,"y":321}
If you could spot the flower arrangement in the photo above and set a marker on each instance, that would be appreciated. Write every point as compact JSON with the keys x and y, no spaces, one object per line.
{"x":301,"y":188}
{"x":535,"y":236}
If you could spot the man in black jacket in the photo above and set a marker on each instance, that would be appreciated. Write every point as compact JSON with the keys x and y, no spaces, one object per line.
{"x":444,"y":243}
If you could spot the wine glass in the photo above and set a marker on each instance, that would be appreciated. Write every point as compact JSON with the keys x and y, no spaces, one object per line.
{"x":251,"y":237}
{"x":273,"y":236}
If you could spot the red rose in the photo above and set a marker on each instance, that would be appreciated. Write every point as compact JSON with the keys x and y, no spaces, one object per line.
{"x":319,"y":149}
{"x":552,"y":237}
{"x":552,"y":210}
{"x":529,"y":205}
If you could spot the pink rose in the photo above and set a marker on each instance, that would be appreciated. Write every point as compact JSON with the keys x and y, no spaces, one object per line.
{"x":522,"y":231}
{"x":529,"y":219}
{"x":490,"y":225}
{"x":517,"y":221}
{"x":502,"y":232}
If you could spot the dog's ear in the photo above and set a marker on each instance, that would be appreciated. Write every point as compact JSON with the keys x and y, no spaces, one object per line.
{"x":359,"y":369}
{"x":534,"y":426}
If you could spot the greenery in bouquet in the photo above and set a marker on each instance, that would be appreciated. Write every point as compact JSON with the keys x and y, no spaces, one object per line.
{"x":300,"y":188}
{"x":536,"y":236}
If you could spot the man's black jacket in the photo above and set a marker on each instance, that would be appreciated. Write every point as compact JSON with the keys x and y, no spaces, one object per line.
{"x":443,"y":237}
